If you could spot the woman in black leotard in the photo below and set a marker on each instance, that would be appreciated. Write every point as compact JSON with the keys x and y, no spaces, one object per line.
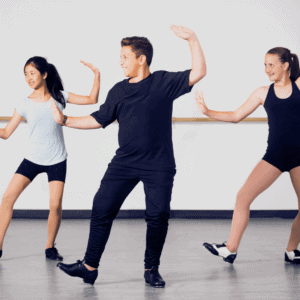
{"x":282,"y":103}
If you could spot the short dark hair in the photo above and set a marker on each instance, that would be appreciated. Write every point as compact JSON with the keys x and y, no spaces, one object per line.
{"x":140,"y":46}
{"x":285,"y":55}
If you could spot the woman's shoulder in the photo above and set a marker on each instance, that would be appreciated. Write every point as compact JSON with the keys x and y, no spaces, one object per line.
{"x":297,"y":81}
{"x":22,"y":101}
{"x":264,"y":89}
{"x":262,"y":92}
{"x":21,"y":106}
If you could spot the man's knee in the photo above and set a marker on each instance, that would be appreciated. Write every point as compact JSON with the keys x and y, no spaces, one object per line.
{"x":160,"y":217}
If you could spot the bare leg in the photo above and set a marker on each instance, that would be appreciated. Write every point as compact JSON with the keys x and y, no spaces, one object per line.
{"x":262,"y":176}
{"x":295,"y":231}
{"x":56,"y":193}
{"x":90,"y":268}
{"x":16,"y":186}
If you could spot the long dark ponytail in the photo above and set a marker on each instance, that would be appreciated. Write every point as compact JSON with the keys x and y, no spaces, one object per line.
{"x":285,"y":55}
{"x":53,"y":80}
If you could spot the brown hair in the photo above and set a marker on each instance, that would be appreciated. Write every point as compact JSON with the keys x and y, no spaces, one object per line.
{"x":285,"y":55}
{"x":140,"y":46}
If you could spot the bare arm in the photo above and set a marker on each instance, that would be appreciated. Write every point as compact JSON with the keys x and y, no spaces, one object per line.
{"x":87,"y":122}
{"x":198,"y":60}
{"x":11,"y":126}
{"x":256,"y":98}
{"x":298,"y":82}
{"x":93,"y":96}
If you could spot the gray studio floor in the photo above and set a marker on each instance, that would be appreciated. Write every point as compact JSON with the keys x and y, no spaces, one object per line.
{"x":190,"y":272}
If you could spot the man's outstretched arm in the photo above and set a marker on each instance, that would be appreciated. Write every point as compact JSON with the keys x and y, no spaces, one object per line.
{"x":87,"y":122}
{"x":198,"y":60}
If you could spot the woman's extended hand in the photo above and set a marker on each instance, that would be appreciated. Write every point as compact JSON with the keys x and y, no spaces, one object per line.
{"x":89,"y":65}
{"x":200,"y":103}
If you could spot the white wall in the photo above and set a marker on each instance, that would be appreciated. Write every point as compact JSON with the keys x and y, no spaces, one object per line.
{"x":213,"y":159}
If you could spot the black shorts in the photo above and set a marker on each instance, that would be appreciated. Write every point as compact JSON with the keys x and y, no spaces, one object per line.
{"x":285,"y":161}
{"x":55,"y":172}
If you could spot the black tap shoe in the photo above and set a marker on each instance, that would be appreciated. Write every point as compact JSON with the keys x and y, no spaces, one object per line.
{"x":52,"y":253}
{"x":79,"y":270}
{"x":153,"y":278}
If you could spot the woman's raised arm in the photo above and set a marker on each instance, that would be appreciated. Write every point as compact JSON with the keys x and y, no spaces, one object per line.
{"x":93,"y":96}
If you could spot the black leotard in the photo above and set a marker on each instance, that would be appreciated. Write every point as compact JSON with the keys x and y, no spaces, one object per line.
{"x":283,"y":150}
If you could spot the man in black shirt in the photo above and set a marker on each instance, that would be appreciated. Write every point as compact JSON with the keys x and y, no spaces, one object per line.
{"x":143,"y":107}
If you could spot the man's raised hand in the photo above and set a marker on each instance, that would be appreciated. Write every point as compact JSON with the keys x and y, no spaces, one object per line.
{"x":183,"y":32}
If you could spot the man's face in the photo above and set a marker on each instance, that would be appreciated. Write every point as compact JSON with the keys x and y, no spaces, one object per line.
{"x":129,"y":63}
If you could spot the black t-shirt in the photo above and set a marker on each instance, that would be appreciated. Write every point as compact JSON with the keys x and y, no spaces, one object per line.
{"x":144,"y":112}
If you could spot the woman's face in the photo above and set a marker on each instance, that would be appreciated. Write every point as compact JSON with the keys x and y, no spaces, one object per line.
{"x":274,"y":68}
{"x":33,"y":77}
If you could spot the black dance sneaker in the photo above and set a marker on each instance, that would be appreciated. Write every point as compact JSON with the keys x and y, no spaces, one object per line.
{"x":0,"y":253}
{"x":153,"y":278}
{"x":221,"y":250}
{"x":292,"y":256}
{"x":79,"y":270}
{"x":52,"y":253}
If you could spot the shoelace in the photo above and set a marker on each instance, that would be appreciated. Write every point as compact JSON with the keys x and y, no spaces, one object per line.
{"x":80,"y":261}
{"x":220,"y":245}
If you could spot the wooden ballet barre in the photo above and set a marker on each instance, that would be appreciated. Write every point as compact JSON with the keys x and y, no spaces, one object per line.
{"x":182,"y":119}
{"x":9,"y":118}
{"x":213,"y":120}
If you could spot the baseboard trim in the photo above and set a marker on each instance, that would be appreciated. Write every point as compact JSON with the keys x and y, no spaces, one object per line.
{"x":140,"y":214}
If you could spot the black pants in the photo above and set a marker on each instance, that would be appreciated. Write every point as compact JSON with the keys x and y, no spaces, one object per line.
{"x":116,"y":185}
